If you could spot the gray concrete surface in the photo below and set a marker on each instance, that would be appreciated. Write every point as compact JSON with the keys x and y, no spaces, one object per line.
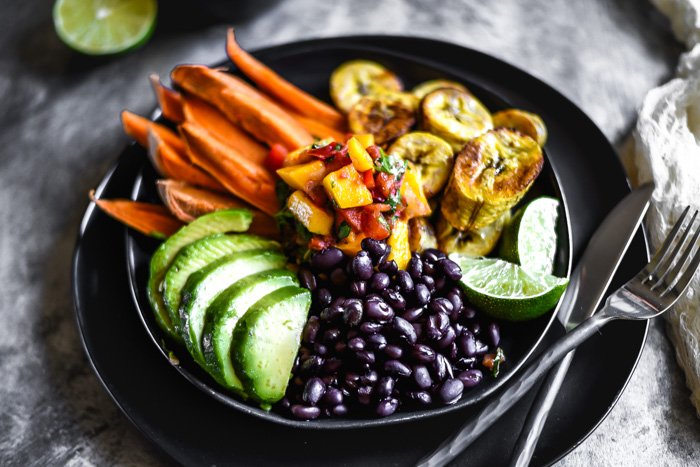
{"x":59,"y":132}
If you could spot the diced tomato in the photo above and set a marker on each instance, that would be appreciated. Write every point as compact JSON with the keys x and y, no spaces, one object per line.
{"x":275,"y":158}
{"x":368,"y":177}
{"x":338,"y":162}
{"x":316,"y":193}
{"x":488,"y":360}
{"x":381,"y":207}
{"x":385,"y":184}
{"x":319,"y":242}
{"x":373,"y":223}
{"x":353,"y":217}
{"x":374,"y":151}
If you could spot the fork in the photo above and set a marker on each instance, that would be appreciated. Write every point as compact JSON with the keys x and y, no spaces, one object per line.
{"x":650,"y":293}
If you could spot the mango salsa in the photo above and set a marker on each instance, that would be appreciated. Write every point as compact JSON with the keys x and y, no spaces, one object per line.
{"x":360,"y":159}
{"x":347,"y":189}
{"x":366,"y":140}
{"x":412,"y":193}
{"x":298,"y":176}
{"x":398,"y":241}
{"x":316,"y":219}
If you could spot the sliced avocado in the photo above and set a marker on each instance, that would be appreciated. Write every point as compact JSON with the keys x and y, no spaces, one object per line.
{"x":266,"y":340}
{"x":199,"y":254}
{"x":229,"y":220}
{"x":225,"y":311}
{"x":205,"y":285}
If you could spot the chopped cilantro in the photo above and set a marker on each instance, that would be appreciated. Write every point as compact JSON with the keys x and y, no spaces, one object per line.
{"x":332,"y":183}
{"x":391,"y":164}
{"x":317,"y":144}
{"x":384,"y":223}
{"x":337,"y":147}
{"x":394,"y":200}
{"x":343,"y":230}
{"x":497,"y":360}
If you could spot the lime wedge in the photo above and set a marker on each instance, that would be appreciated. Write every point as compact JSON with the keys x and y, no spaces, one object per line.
{"x":530,"y":238}
{"x":101,"y":27}
{"x":505,"y":290}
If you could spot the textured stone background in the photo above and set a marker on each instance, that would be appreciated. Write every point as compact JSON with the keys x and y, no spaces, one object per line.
{"x":59,"y":132}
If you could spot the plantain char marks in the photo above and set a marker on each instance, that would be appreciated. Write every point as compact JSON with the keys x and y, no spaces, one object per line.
{"x":491,"y":174}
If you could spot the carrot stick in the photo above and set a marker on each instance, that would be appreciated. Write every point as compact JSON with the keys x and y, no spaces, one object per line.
{"x":137,"y":127}
{"x":187,"y":202}
{"x":169,"y":100}
{"x":318,"y":129}
{"x":279,"y":87}
{"x":199,"y":113}
{"x":153,"y":220}
{"x":172,"y":164}
{"x":243,"y":105}
{"x":242,"y":178}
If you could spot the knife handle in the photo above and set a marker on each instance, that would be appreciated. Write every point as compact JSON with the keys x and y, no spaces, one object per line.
{"x":515,"y":390}
{"x":537,"y":417}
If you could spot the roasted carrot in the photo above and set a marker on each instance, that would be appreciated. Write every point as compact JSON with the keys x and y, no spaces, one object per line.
{"x":137,"y":127}
{"x":242,"y":178}
{"x":169,"y":100}
{"x":280,"y":88}
{"x":175,"y":165}
{"x":198,"y":112}
{"x":243,"y":104}
{"x":318,"y":129}
{"x":187,"y":202}
{"x":153,"y":220}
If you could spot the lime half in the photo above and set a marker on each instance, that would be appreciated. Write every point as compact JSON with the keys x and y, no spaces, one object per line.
{"x":101,"y":27}
{"x":505,"y":290}
{"x":530,"y":239}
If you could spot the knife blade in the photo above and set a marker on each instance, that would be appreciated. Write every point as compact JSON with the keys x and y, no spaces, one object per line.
{"x":587,"y":286}
{"x":598,"y":265}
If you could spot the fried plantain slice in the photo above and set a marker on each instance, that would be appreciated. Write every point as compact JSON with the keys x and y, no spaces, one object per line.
{"x":491,"y":173}
{"x":432,"y":154}
{"x":454,"y":115}
{"x":355,"y":79}
{"x":526,"y":123}
{"x":473,"y":243}
{"x":426,"y":87}
{"x":421,"y":234}
{"x":386,"y":116}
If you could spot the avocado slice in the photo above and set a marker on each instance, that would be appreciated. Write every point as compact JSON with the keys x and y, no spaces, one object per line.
{"x":197,"y":255}
{"x":229,"y":220}
{"x":266,"y":340}
{"x":225,"y":311}
{"x":205,"y":285}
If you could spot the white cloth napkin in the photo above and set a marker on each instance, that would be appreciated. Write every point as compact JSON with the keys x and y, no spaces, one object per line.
{"x":665,"y":147}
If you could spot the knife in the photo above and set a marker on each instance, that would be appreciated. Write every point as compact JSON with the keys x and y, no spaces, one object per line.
{"x":591,"y":277}
{"x":587,"y":285}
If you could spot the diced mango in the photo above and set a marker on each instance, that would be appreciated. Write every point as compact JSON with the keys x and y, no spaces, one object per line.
{"x":351,"y":244}
{"x":360,"y":159}
{"x":346,"y":187}
{"x":316,"y":219}
{"x":366,"y":140}
{"x":412,"y":193}
{"x":398,"y":241}
{"x":298,"y":176}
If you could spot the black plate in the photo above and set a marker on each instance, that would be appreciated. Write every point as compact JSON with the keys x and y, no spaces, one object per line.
{"x":194,"y":429}
{"x":519,"y":340}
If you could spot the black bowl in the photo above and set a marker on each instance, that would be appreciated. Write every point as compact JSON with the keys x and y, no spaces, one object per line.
{"x":311,"y":71}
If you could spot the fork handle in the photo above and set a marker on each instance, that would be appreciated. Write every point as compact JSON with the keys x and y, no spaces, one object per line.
{"x":515,"y":390}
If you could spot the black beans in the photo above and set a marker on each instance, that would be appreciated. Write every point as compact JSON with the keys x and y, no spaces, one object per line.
{"x":379,"y":281}
{"x":313,"y":391}
{"x":304,"y":412}
{"x":423,"y":353}
{"x":451,"y":390}
{"x":362,"y":266}
{"x":404,"y":329}
{"x":307,"y":279}
{"x":326,"y":259}
{"x":379,"y":338}
{"x":375,"y":248}
{"x":471,"y":378}
{"x":404,"y":281}
{"x":387,"y":407}
{"x":415,"y":266}
{"x":397,"y":368}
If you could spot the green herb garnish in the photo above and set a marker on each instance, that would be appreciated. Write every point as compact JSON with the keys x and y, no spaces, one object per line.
{"x":343,"y":230}
{"x":391,"y":164}
{"x":497,"y":360}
